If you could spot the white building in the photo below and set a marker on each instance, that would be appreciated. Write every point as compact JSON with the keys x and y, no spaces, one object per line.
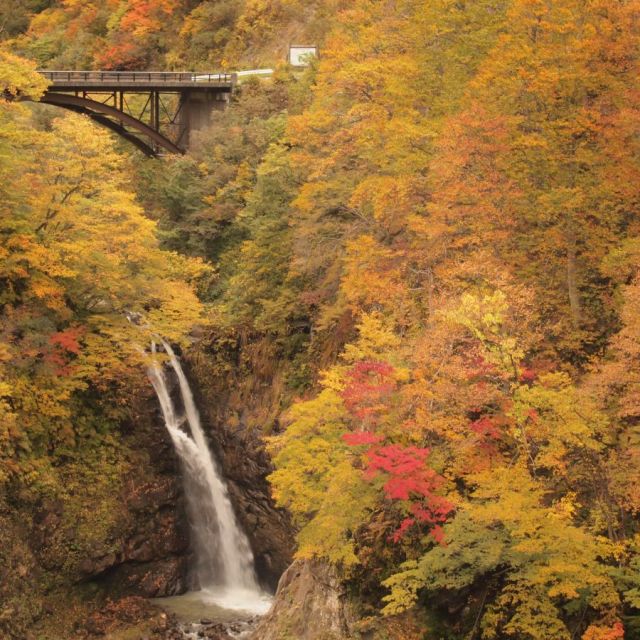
{"x":301,"y":55}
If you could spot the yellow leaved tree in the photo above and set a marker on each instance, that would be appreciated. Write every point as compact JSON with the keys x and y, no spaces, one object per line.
{"x":78,"y":258}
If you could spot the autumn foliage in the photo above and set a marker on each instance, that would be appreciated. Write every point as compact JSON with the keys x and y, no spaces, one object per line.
{"x":427,"y":244}
{"x":460,"y":173}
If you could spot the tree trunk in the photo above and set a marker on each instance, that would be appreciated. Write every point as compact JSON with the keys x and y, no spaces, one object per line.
{"x":572,"y":286}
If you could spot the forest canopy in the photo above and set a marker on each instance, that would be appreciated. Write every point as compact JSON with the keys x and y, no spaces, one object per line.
{"x":428,"y":239}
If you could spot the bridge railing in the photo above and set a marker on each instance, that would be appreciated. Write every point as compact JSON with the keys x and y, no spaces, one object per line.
{"x":155,"y":77}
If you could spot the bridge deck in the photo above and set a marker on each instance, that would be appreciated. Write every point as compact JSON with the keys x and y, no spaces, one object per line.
{"x":138,"y":80}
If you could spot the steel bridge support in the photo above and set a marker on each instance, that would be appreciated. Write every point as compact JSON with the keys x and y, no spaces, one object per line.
{"x":155,"y":111}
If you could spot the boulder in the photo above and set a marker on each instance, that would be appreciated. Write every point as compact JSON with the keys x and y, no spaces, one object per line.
{"x":311,"y":603}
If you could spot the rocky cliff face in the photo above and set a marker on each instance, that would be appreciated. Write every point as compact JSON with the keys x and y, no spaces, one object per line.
{"x":115,"y":524}
{"x":235,"y":411}
{"x":312,"y":603}
{"x":111,"y":523}
{"x":144,"y":551}
{"x":152,"y":555}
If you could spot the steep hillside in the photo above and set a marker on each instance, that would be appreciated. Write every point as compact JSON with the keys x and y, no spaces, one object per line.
{"x":169,"y":34}
{"x":416,"y":268}
{"x":437,"y":248}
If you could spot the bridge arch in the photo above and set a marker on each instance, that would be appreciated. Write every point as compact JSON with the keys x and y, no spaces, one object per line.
{"x":115,"y":120}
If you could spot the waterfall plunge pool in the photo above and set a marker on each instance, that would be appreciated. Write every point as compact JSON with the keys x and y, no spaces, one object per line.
{"x":223,"y":605}
{"x":236,"y":610}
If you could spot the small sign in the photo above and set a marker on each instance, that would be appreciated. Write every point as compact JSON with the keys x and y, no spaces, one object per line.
{"x":301,"y":55}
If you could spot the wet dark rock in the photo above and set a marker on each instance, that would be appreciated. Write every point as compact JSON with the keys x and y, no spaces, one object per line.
{"x":214,"y":632}
{"x":155,"y":579}
{"x":215,"y":635}
{"x":150,"y":496}
{"x":231,"y":419}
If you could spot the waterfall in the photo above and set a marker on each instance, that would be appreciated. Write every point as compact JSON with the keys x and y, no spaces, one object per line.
{"x":224,"y":567}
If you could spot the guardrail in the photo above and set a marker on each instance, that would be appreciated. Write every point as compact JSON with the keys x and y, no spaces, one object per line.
{"x":122,"y":77}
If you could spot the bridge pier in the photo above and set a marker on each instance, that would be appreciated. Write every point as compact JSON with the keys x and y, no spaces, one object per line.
{"x":196,"y":111}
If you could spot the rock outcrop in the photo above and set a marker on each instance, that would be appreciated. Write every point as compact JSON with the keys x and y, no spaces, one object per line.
{"x":311,"y":603}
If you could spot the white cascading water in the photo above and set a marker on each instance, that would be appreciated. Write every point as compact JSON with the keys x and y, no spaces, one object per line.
{"x":224,"y":569}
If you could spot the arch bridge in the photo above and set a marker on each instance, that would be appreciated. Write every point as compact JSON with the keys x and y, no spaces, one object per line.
{"x":157,"y":111}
